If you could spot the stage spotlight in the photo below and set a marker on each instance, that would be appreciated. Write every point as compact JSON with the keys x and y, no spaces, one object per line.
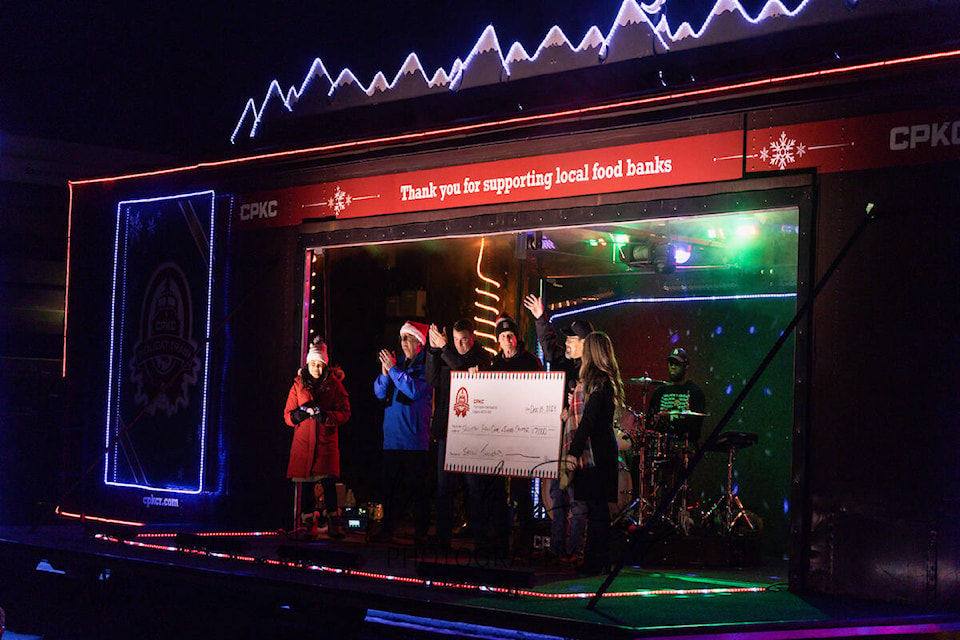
{"x":661,"y":256}
{"x":535,"y":240}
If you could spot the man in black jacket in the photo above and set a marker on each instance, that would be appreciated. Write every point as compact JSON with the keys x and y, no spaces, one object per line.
{"x":513,"y":356}
{"x":565,"y":540}
{"x":560,"y":356}
{"x":443,"y":357}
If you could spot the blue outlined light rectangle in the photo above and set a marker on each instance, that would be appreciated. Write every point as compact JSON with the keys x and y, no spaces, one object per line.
{"x":157,"y":394}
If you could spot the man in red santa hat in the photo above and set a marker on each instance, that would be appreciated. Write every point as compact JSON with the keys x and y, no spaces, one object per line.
{"x":408,"y":401}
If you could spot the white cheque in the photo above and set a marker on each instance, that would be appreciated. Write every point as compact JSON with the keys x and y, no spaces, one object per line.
{"x":505,"y":423}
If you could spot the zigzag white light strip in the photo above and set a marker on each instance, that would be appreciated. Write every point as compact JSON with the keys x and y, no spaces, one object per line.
{"x":630,"y":13}
{"x":772,"y":9}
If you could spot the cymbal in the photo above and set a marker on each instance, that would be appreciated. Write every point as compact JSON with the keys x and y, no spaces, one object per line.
{"x":691,"y":414}
{"x":644,"y":381}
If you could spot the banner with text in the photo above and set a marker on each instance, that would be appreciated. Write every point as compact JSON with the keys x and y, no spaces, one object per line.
{"x":705,"y":158}
{"x":505,"y":423}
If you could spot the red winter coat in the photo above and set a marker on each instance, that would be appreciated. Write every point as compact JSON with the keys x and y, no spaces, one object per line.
{"x":315,"y":450}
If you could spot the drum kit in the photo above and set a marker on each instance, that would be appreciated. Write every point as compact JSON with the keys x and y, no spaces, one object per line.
{"x":651,"y":459}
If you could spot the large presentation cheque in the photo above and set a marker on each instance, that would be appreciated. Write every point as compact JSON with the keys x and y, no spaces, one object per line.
{"x":505,"y":423}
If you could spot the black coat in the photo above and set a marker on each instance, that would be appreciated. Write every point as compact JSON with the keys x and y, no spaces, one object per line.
{"x":523,"y":361}
{"x":440,"y":362}
{"x":602,"y":481}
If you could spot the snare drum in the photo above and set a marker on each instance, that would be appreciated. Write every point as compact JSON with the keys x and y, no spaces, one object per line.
{"x":658,"y":446}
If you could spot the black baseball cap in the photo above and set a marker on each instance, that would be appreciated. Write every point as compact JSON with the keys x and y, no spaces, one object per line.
{"x":579,"y":328}
{"x":680,"y":355}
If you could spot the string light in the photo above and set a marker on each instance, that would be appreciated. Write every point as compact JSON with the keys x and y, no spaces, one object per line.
{"x":530,"y":119}
{"x":630,"y":13}
{"x":527,"y":119}
{"x":615,"y":303}
{"x":485,"y":307}
{"x":213,"y":534}
{"x":494,"y":311}
{"x":432,"y":583}
{"x":84,"y":516}
{"x":489,"y":294}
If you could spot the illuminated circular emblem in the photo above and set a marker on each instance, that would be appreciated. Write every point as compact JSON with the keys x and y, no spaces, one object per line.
{"x":462,"y":403}
{"x":165,"y":360}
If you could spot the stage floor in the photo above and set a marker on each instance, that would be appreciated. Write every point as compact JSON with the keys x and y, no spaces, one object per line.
{"x":448,"y":588}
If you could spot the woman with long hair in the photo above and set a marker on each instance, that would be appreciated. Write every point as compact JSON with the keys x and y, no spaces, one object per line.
{"x":602,"y":391}
{"x":317,"y":407}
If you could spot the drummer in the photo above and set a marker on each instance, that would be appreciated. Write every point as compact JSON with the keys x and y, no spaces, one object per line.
{"x":674,"y":407}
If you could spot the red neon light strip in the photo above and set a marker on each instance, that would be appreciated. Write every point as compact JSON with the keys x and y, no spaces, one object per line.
{"x":527,"y":119}
{"x":83,"y":516}
{"x":66,"y":289}
{"x":439,"y":583}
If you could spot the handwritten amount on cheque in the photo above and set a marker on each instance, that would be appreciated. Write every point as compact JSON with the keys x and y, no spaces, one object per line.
{"x":515,"y":430}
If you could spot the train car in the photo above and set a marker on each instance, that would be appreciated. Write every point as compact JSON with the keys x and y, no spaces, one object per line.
{"x":780,"y":206}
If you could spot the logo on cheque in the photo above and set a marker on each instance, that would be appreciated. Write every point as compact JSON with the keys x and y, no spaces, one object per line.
{"x":462,"y":403}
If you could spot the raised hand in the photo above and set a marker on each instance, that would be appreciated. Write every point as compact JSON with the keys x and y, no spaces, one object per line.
{"x":534,"y":305}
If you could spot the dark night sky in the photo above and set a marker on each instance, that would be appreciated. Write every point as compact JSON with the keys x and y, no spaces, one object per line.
{"x":174,"y":76}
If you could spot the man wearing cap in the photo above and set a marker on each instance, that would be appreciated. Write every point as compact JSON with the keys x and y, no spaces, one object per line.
{"x":671,"y":404}
{"x":565,"y":539}
{"x":513,"y":356}
{"x":561,"y":357}
{"x":408,"y":398}
{"x":317,"y":406}
{"x":444,"y":356}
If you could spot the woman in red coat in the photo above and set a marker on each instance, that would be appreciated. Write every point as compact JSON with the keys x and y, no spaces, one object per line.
{"x":317,"y":406}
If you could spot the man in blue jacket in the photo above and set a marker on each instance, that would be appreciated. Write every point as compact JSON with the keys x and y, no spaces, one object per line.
{"x":408,"y":397}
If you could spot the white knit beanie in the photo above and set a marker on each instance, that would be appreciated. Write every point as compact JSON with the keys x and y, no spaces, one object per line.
{"x":318,"y":352}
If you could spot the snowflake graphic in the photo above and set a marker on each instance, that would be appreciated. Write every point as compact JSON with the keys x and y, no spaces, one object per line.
{"x":134,"y":227}
{"x":339,"y":201}
{"x":137,"y":228}
{"x":783,"y":151}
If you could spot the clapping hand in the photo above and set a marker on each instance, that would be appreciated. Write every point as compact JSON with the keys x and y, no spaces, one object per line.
{"x":438,"y":337}
{"x":388,"y":360}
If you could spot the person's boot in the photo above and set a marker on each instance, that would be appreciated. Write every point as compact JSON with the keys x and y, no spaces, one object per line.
{"x":334,"y":526}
